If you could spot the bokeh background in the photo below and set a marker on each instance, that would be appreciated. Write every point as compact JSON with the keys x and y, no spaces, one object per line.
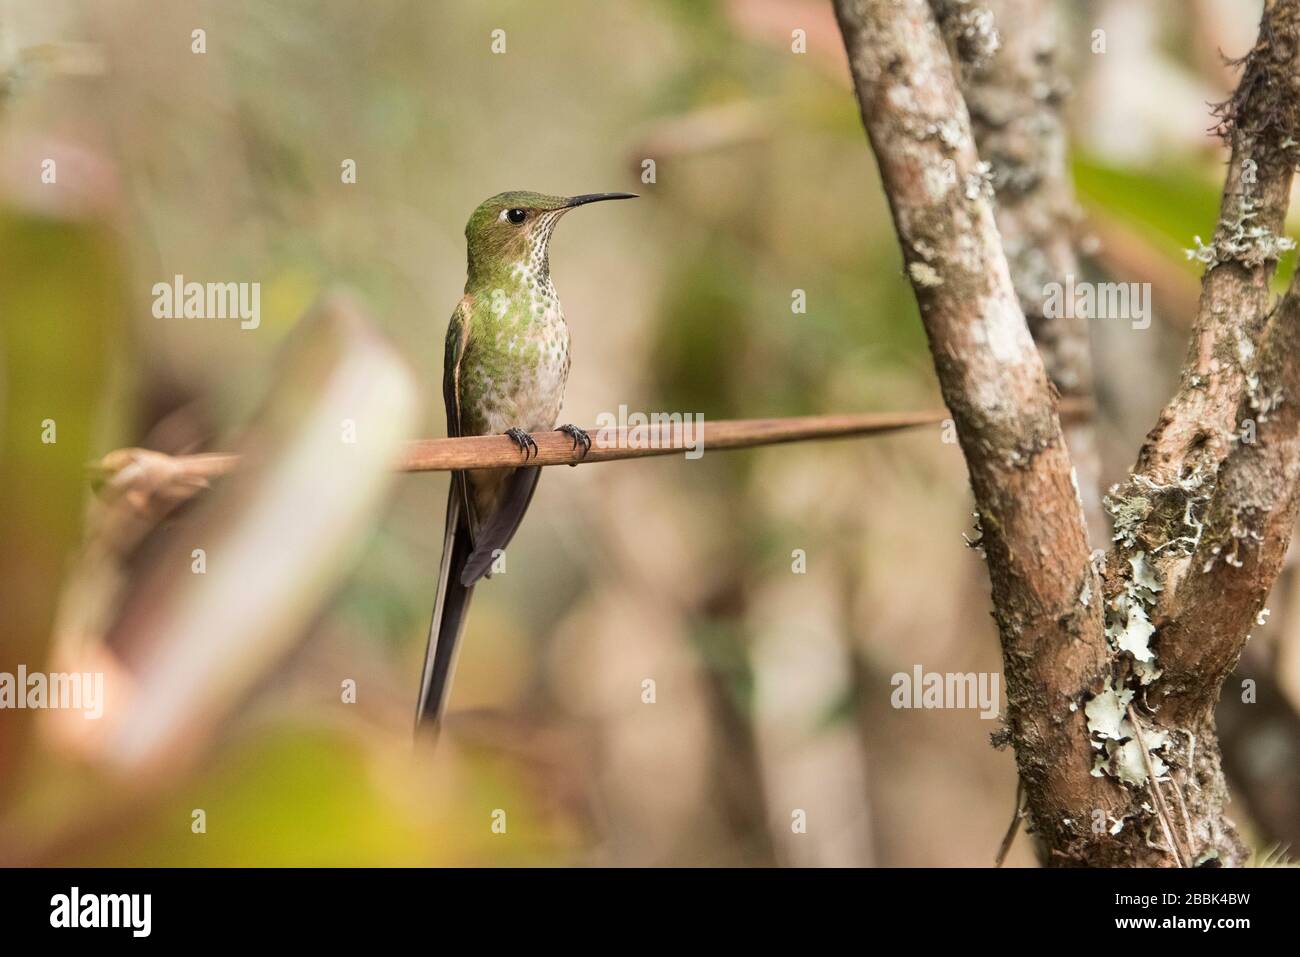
{"x":226,"y":691}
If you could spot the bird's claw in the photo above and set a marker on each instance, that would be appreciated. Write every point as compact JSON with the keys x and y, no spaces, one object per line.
{"x":523,"y":441}
{"x":580,"y":440}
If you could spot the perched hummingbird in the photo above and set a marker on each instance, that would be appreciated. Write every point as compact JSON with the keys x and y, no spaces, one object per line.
{"x":506,"y":364}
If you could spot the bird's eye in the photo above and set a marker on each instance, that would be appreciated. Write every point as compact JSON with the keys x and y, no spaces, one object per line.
{"x":516,"y":216}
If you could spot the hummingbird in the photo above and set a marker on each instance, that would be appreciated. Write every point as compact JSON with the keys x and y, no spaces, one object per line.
{"x":504,"y":372}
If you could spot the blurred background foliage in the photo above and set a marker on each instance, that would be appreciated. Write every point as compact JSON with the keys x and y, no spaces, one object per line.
{"x":772,"y":689}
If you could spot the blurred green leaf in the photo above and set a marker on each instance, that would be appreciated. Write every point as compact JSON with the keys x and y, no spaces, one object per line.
{"x":1169,"y":206}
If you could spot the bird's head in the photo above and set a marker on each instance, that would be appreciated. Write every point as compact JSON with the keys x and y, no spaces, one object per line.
{"x":515,"y":228}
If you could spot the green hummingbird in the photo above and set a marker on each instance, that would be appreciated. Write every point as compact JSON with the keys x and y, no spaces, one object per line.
{"x":506,"y":364}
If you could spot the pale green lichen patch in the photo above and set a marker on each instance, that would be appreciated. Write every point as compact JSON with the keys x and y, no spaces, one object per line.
{"x":1128,"y":623}
{"x":1127,"y":514}
{"x":977,"y":543}
{"x":1143,"y":581}
{"x":1262,"y":402}
{"x":1242,"y":240}
{"x":923,"y":274}
{"x":980,"y":182}
{"x":1106,"y":712}
{"x":1151,"y":521}
{"x":1118,"y":752}
{"x":1146,"y":671}
{"x":1157,"y":517}
{"x":1135,"y":635}
{"x":1241,"y":533}
{"x":971,"y":29}
{"x":1126,"y":764}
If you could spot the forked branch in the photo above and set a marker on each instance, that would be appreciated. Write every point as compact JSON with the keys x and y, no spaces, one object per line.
{"x":993,"y":379}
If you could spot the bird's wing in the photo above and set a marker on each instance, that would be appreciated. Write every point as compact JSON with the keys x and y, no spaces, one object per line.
{"x":457,"y":338}
{"x":453,"y":598}
{"x":491,"y":531}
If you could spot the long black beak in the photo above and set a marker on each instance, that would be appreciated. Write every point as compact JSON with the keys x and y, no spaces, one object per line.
{"x":586,"y":198}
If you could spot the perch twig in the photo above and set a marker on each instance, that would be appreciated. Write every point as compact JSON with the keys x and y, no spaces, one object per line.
{"x":147,"y":477}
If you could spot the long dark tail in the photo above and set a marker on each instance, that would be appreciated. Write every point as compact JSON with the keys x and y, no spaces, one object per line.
{"x":448,"y":614}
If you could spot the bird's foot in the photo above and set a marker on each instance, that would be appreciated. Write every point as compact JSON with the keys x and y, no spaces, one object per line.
{"x":523,"y":441}
{"x":580,"y":439}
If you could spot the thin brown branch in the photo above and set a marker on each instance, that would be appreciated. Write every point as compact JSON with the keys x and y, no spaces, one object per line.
{"x":150,"y":480}
{"x":1014,"y":827}
{"x":1188,"y":831}
{"x":1246,"y":531}
{"x":1153,"y":785}
{"x":1262,"y":124}
{"x":556,"y":448}
{"x":1204,"y":520}
{"x":1011,"y":79}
